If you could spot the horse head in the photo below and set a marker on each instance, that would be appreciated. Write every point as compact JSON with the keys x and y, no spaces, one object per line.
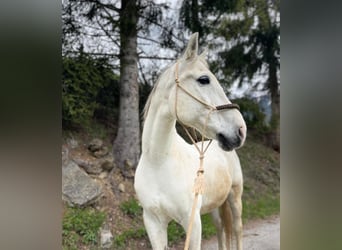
{"x":197,"y":100}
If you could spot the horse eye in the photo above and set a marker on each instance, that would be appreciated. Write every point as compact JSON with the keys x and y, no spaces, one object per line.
{"x":203,"y":80}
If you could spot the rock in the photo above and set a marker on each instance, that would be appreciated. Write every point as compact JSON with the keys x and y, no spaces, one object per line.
{"x":128,"y":164}
{"x":65,"y":155}
{"x":101,"y":152}
{"x":89,"y":163}
{"x":103,"y":175}
{"x":121,"y":187}
{"x":95,"y":145}
{"x":107,"y":163}
{"x":106,"y":238}
{"x":72,"y":142}
{"x":77,"y":187}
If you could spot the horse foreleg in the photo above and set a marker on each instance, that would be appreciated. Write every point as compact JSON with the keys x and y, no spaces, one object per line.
{"x":236,"y":207}
{"x":196,"y":233}
{"x":156,"y":227}
{"x":219,"y":229}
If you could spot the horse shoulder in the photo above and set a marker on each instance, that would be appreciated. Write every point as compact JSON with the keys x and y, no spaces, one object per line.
{"x":235,"y":166}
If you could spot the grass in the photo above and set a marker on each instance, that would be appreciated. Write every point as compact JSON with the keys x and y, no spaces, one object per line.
{"x":131,"y":208}
{"x":175,"y":232}
{"x":208,"y":228}
{"x":122,"y":239}
{"x":81,"y":226}
{"x":260,"y":208}
{"x":260,"y":166}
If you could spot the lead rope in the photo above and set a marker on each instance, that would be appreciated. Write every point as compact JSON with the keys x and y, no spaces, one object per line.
{"x":199,"y":184}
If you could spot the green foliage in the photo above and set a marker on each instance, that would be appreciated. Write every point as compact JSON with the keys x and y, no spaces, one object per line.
{"x":122,"y":239}
{"x":85,"y":84}
{"x":70,"y":240}
{"x":81,"y":226}
{"x":260,"y":167}
{"x":208,"y":227}
{"x":255,"y":44}
{"x":108,"y":99}
{"x":260,"y":208}
{"x":175,"y":232}
{"x":131,"y":208}
{"x":254,"y":118}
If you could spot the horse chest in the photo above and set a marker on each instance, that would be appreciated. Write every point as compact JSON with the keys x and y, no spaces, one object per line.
{"x":218,"y":184}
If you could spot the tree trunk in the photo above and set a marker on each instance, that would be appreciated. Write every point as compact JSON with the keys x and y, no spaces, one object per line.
{"x":274,"y":139}
{"x":127,"y":142}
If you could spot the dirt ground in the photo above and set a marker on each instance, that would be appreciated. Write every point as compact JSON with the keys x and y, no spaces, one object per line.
{"x":257,"y":235}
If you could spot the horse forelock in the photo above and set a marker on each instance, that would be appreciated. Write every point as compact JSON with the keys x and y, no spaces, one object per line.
{"x":203,"y":61}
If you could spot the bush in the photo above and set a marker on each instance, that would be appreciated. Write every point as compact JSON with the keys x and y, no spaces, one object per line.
{"x":84,"y":79}
{"x":254,"y":118}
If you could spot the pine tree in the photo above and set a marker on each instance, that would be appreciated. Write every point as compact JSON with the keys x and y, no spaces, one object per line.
{"x":97,"y":25}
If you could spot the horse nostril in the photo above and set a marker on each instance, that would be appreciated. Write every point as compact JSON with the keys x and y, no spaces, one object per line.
{"x":241,"y":132}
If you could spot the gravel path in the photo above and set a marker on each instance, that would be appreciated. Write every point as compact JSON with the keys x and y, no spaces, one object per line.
{"x":257,"y":235}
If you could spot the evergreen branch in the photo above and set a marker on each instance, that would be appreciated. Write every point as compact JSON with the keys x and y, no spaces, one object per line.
{"x":117,"y":55}
{"x":115,"y":23}
{"x":157,"y":58}
{"x":142,"y":72}
{"x":108,"y":6}
{"x":96,"y":54}
{"x":107,"y":33}
{"x":160,"y":26}
{"x":149,"y":39}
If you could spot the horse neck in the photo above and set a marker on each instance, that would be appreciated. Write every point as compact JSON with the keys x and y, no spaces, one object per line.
{"x":159,"y":130}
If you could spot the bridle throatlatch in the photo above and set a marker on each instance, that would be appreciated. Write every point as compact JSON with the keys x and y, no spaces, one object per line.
{"x":199,"y":184}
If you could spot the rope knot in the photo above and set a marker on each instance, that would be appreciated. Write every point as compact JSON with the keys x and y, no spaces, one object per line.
{"x":200,"y":171}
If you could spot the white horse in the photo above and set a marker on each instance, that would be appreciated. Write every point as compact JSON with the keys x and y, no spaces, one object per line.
{"x":168,"y":165}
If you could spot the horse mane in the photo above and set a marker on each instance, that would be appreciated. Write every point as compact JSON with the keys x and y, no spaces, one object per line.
{"x":149,"y":99}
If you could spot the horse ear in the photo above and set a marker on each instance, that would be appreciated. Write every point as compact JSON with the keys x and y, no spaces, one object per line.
{"x":192,"y":47}
{"x":204,"y":54}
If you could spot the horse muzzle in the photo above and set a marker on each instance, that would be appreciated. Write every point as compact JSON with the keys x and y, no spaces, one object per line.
{"x":230,"y":142}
